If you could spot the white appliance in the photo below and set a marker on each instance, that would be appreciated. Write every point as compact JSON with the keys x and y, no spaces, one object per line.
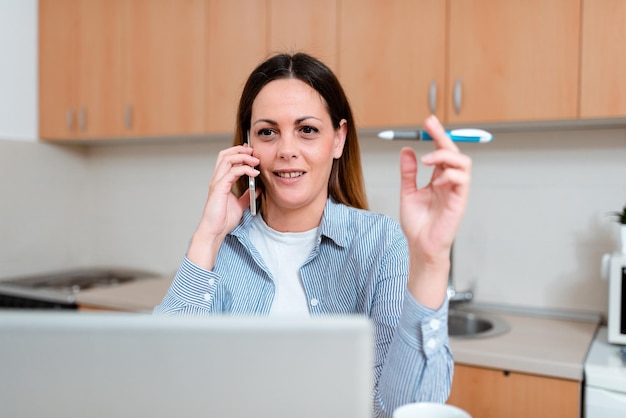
{"x":614,"y":269}
{"x":605,"y":379}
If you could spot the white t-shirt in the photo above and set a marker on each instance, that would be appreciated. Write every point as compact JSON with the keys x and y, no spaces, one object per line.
{"x":284,"y":253}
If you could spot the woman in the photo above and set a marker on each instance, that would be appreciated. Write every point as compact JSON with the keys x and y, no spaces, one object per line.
{"x":314,"y":249}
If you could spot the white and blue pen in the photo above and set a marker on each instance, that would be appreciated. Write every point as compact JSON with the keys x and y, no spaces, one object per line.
{"x":457,"y":135}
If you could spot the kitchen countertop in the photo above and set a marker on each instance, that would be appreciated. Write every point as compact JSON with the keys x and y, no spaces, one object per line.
{"x":140,"y":296}
{"x":535,"y":345}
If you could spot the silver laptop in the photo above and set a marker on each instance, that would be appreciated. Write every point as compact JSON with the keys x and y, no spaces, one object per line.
{"x":62,"y":364}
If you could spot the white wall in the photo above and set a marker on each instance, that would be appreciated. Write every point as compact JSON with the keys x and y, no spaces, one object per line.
{"x":148,"y":200}
{"x":533,"y":235}
{"x":18,"y":71}
{"x":42,"y":208}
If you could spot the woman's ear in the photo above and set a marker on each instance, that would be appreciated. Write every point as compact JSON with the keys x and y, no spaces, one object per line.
{"x":340,"y":138}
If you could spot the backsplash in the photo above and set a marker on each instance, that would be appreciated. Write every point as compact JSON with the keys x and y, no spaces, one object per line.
{"x":533,"y":236}
{"x":536,"y":225}
{"x":44,"y":221}
{"x":534,"y":233}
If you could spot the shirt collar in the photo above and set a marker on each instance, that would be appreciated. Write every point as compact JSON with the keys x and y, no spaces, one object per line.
{"x":334,"y":226}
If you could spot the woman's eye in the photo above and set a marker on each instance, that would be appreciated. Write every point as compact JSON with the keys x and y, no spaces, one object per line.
{"x":308,"y":130}
{"x":264,"y":133}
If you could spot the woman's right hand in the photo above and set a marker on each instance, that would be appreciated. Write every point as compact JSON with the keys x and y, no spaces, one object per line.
{"x":223,"y":209}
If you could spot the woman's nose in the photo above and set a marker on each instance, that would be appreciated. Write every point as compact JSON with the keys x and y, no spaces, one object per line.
{"x":287,"y":146}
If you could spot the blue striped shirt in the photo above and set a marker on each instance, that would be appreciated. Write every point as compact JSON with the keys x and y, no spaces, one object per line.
{"x":358,"y":266}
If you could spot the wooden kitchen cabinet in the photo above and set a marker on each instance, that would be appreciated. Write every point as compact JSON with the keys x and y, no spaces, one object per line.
{"x":390,"y":55}
{"x":113,"y":68}
{"x":304,"y":25}
{"x":58,"y":67}
{"x":236,"y":43}
{"x":513,"y":61}
{"x":490,"y":393}
{"x":166,"y":71}
{"x":262,"y":28}
{"x":475,"y":62}
{"x":140,"y":68}
{"x":603,"y":85}
{"x":80,"y":68}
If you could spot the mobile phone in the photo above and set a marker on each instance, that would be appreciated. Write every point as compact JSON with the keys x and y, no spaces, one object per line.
{"x":251,"y":183}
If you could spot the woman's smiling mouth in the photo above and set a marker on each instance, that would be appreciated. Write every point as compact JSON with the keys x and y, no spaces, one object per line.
{"x":290,"y":174}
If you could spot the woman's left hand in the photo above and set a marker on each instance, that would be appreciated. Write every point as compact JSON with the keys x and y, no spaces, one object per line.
{"x":430,"y":216}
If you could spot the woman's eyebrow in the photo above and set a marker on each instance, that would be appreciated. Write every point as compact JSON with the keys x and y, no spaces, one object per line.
{"x":275,"y":123}
{"x":268,"y":121}
{"x":303,"y":118}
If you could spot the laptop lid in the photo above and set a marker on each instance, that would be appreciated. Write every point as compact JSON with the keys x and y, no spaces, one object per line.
{"x":62,"y":364}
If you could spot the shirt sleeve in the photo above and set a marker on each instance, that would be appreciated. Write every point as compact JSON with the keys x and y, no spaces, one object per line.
{"x":419,"y":365}
{"x":193,"y":292}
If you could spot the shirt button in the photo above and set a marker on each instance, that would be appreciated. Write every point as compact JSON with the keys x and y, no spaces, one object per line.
{"x":207,"y":297}
{"x":431,"y":343}
{"x":434,"y":324}
{"x":211,"y":282}
{"x":314,"y":302}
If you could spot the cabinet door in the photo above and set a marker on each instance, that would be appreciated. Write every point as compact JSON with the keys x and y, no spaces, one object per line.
{"x":58,"y":68}
{"x":166,"y":67}
{"x":513,"y":60}
{"x":304,"y":26}
{"x":80,"y":70}
{"x":489,"y":393}
{"x":100,"y":79}
{"x":603,"y":84}
{"x":390,"y":53}
{"x":236,"y":42}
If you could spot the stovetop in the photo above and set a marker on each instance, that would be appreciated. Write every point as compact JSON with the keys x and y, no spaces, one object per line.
{"x":61,"y":287}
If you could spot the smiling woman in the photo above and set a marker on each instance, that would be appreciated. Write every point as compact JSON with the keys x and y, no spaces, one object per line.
{"x":346,"y":179}
{"x":314,"y":249}
{"x":296,"y":150}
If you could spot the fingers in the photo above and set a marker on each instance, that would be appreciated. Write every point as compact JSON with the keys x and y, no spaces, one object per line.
{"x":235,"y":162}
{"x":408,"y":171}
{"x":451,"y":166}
{"x":451,"y":177}
{"x":447,"y":158}
{"x":438,"y":133}
{"x":236,"y":155}
{"x":244,"y":199}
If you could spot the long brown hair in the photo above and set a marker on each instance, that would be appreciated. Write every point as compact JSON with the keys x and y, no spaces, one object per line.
{"x":345,"y":184}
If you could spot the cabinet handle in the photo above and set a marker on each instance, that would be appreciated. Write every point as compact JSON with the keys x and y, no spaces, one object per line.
{"x":82,"y":119}
{"x":432,"y":96}
{"x":69,"y":119}
{"x":457,"y":96}
{"x":128,"y":117}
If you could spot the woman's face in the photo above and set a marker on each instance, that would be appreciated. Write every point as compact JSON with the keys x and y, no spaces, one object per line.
{"x":292,"y":134}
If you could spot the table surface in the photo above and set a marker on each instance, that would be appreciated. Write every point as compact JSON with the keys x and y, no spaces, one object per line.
{"x":536,"y":345}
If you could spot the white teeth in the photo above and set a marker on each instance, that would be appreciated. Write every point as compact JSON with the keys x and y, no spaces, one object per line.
{"x":290,"y":175}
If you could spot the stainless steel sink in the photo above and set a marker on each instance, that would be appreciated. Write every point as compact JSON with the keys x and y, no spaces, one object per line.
{"x":475,"y":324}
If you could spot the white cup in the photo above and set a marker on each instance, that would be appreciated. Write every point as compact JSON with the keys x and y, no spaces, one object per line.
{"x":429,"y":410}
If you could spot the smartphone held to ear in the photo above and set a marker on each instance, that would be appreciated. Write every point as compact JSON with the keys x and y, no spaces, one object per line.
{"x":251,"y":184}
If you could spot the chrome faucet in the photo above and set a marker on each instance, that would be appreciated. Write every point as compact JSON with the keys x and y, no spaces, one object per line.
{"x":453,"y":295}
